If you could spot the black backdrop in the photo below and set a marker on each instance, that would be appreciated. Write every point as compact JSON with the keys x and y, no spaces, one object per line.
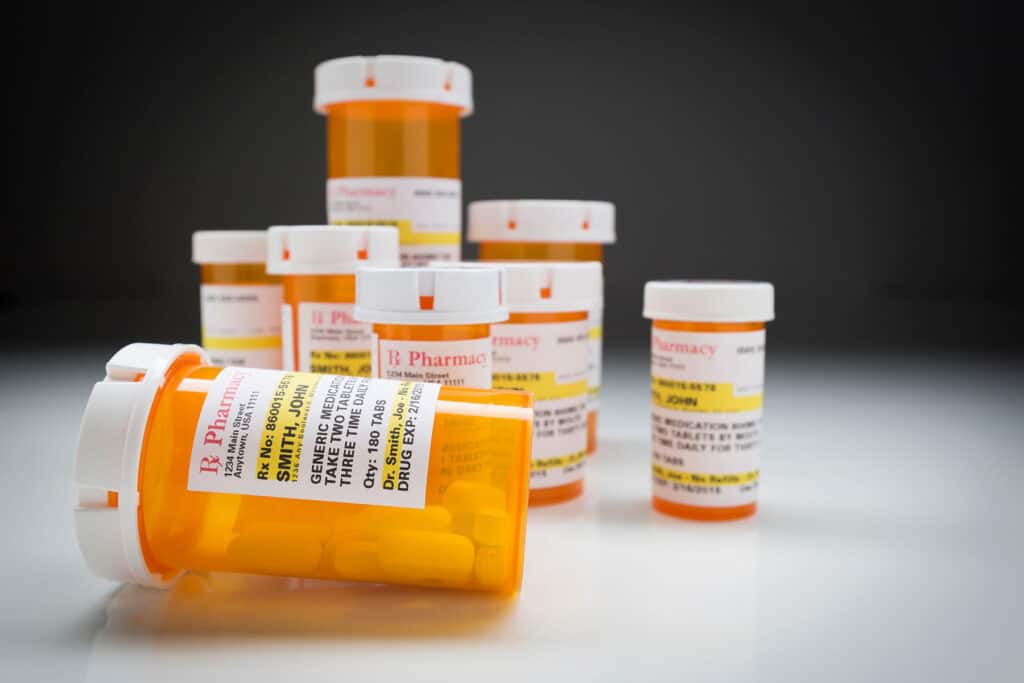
{"x":854,"y":157}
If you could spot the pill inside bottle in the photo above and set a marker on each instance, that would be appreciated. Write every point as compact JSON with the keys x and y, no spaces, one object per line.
{"x":182,"y":465}
{"x":550,"y":230}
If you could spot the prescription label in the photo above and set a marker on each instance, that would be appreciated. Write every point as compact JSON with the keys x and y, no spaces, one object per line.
{"x":707,"y":391}
{"x":426,"y":211}
{"x":314,"y":437}
{"x":462,"y":363}
{"x":549,"y":360}
{"x":241,"y":324}
{"x":594,"y":359}
{"x":329,"y":340}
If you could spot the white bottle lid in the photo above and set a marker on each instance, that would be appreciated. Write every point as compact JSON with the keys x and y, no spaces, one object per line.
{"x":107,"y":460}
{"x":393,"y":77}
{"x":329,"y":249}
{"x":709,"y":301}
{"x":229,"y":246}
{"x":541,"y":220}
{"x":461,"y":295}
{"x":547,"y":286}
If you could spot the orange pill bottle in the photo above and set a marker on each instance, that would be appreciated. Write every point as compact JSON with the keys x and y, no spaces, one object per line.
{"x":186,"y":466}
{"x":393,"y":148}
{"x":317,"y":265}
{"x":432,"y":324}
{"x":550,"y":230}
{"x":707,"y":393}
{"x":239,"y":303}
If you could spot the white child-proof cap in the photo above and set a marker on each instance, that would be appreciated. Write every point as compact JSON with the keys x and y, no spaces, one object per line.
{"x":393,"y":77}
{"x":709,"y":301}
{"x":107,"y":460}
{"x":541,"y":220}
{"x":329,"y":249}
{"x":229,"y":246}
{"x":547,"y":286}
{"x":460,"y":295}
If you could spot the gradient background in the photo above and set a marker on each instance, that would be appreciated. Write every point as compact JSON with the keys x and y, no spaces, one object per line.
{"x":853,"y":157}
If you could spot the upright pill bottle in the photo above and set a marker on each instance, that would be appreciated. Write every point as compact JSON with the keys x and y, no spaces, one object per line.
{"x":317,"y":265}
{"x":707,"y":392}
{"x":543,"y":349}
{"x":550,"y":230}
{"x":393,"y":148}
{"x":186,"y":466}
{"x":432,"y":324}
{"x":239,"y":303}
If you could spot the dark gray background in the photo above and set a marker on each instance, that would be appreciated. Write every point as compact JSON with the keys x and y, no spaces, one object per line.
{"x":854,"y":157}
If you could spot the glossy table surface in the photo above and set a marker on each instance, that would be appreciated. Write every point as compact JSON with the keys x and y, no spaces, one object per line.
{"x":889,"y":546}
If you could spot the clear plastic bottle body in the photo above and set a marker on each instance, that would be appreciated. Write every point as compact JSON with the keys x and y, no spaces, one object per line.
{"x":549,"y":251}
{"x":470,"y":534}
{"x":700,"y":512}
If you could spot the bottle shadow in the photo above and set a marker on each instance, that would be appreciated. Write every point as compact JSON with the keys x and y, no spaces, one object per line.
{"x":236,"y":606}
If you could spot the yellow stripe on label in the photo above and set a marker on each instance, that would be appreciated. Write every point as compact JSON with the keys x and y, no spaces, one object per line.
{"x":703,"y":479}
{"x":596,"y":333}
{"x":557,"y":461}
{"x":283,"y":426}
{"x":393,"y":445}
{"x":541,"y":384}
{"x":348,"y":363}
{"x":406,"y":234}
{"x":241,"y":343}
{"x":701,"y":397}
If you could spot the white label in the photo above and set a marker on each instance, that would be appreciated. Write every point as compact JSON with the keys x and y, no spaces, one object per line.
{"x":594,"y":360}
{"x":287,"y":338}
{"x":550,"y":360}
{"x":426,"y":211}
{"x":463,"y":363}
{"x":707,"y":392}
{"x":241,"y":325}
{"x":329,"y":340}
{"x":314,"y":437}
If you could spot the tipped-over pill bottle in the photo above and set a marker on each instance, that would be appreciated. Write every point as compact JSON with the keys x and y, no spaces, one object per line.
{"x":432,"y":324}
{"x":239,"y":303}
{"x":543,"y":349}
{"x":317,"y":265}
{"x":186,"y":466}
{"x":393,"y":148}
{"x":707,"y":392}
{"x":550,"y":230}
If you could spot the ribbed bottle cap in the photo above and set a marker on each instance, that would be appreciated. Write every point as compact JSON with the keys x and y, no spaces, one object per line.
{"x":463,"y":295}
{"x":229,"y":246}
{"x":329,"y":249}
{"x":393,"y":77}
{"x":711,"y":301}
{"x":541,"y":220}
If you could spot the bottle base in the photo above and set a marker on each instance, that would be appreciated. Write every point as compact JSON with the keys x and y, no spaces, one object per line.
{"x":556,"y":494}
{"x":702,"y":514}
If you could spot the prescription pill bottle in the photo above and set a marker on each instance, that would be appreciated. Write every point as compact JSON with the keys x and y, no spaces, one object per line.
{"x":543,"y":349}
{"x":707,"y":391}
{"x":186,"y":466}
{"x":432,"y":324}
{"x":239,"y":303}
{"x":393,"y":148}
{"x":317,"y":265}
{"x":550,"y":230}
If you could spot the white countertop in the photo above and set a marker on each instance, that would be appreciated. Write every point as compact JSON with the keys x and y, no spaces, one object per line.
{"x":889,"y":546}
